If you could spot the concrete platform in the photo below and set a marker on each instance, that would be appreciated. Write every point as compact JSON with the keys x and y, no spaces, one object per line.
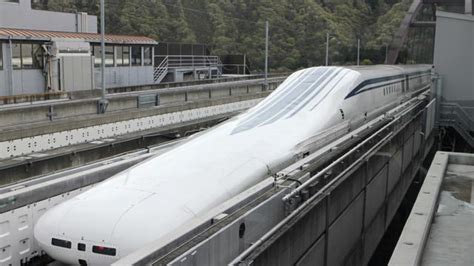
{"x":440,"y":229}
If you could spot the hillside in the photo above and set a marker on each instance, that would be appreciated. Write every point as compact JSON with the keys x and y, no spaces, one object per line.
{"x":297,"y":27}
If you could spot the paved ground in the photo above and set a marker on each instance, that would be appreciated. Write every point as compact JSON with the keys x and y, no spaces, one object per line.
{"x":451,"y":239}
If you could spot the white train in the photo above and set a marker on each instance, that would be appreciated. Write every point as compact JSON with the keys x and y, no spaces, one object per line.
{"x":155,"y":197}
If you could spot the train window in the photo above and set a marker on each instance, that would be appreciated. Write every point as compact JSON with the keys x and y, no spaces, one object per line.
{"x":60,"y":243}
{"x":104,"y":250}
{"x":81,"y":246}
{"x":82,"y":262}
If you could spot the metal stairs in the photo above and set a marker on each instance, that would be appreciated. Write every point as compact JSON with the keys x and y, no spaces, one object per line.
{"x":161,"y":70}
{"x":453,"y":115}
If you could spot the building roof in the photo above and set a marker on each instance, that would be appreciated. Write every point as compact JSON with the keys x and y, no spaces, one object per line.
{"x":42,"y":35}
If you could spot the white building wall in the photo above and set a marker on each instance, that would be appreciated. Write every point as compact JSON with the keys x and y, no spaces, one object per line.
{"x":454,"y":57}
{"x":25,"y":81}
{"x":125,"y":76}
{"x":28,"y":81}
{"x":21,"y":16}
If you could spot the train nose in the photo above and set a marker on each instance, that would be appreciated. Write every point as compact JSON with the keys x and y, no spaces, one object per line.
{"x":46,"y":234}
{"x":81,"y":228}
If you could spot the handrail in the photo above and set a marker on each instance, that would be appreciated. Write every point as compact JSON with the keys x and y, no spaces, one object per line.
{"x":192,"y":61}
{"x":458,"y":110}
{"x":161,"y":70}
{"x":453,"y":114}
{"x":340,"y":159}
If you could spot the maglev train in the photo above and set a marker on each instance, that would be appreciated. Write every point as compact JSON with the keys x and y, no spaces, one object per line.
{"x":153,"y":198}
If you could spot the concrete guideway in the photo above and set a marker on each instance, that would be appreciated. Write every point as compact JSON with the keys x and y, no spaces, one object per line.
{"x":39,"y":163}
{"x":22,"y":203}
{"x":52,"y":125}
{"x":439,"y":228}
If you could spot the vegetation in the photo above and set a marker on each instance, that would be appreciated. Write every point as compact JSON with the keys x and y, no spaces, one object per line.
{"x":297,"y":27}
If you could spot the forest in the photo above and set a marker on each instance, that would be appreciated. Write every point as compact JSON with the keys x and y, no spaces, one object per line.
{"x":297,"y":32}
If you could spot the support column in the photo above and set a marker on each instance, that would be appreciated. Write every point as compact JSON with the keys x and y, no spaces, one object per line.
{"x":468,"y":7}
{"x":8,"y":67}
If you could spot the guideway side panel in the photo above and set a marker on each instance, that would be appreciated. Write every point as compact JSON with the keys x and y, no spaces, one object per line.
{"x":290,"y":247}
{"x":355,"y":212}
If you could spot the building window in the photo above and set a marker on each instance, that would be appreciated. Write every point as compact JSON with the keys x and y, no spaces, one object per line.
{"x":96,"y":54}
{"x":16,"y":55}
{"x":136,"y":55}
{"x":123,"y":55}
{"x":126,"y":55}
{"x":38,"y":56}
{"x":119,"y":60}
{"x":109,"y":56}
{"x":27,"y":56}
{"x":147,"y":56}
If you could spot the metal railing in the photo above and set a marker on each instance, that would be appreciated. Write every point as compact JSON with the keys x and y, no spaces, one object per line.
{"x":161,"y":70}
{"x":212,"y":63}
{"x":454,"y":115}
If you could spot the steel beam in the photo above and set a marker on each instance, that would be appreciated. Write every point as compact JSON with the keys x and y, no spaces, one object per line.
{"x":423,"y":24}
{"x":402,"y":33}
{"x":444,"y":2}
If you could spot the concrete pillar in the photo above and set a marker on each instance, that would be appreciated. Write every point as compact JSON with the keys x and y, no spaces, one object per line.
{"x":468,"y":7}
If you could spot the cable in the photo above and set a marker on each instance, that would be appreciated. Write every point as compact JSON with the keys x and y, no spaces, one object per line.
{"x":294,"y":180}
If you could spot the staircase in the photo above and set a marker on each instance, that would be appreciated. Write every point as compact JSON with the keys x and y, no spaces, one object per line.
{"x":454,"y":115}
{"x":172,"y":63}
{"x":161,"y":70}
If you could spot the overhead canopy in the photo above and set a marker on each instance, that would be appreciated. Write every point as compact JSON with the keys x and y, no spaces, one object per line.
{"x":42,"y":35}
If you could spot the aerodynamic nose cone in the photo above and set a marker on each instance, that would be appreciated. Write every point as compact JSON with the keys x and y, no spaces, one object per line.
{"x":81,"y":228}
{"x":46,"y":228}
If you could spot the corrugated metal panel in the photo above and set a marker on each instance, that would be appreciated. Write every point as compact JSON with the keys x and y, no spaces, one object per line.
{"x":91,"y":37}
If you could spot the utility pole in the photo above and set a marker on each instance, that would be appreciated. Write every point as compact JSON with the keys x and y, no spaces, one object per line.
{"x":266,"y":54}
{"x":358,"y":51}
{"x":327,"y":48}
{"x":386,"y":54}
{"x":103,"y":102}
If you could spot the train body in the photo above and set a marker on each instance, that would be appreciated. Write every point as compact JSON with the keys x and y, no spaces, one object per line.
{"x":154,"y":198}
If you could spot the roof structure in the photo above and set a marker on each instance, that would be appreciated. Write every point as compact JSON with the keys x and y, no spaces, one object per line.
{"x":42,"y":35}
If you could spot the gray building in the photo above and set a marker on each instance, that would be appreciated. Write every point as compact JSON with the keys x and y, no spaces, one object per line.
{"x":18,"y":14}
{"x":453,"y":57}
{"x":37,"y":61}
{"x":42,"y":51}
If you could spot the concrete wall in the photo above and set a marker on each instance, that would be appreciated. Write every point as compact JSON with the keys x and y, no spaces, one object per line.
{"x":454,"y":57}
{"x":21,"y":16}
{"x":345,"y":227}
